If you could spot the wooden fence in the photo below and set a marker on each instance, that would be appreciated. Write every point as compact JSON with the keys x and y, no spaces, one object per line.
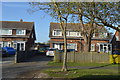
{"x":91,"y":57}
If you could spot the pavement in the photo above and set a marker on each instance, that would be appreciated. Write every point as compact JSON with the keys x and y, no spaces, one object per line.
{"x":15,"y":70}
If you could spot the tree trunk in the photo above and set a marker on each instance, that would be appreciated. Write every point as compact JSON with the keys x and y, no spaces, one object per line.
{"x":81,"y":45}
{"x":87,"y":46}
{"x":64,"y":67}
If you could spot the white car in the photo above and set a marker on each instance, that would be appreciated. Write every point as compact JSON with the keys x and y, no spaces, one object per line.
{"x":50,"y":52}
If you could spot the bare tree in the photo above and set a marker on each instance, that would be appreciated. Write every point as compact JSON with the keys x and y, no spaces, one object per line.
{"x":56,"y":11}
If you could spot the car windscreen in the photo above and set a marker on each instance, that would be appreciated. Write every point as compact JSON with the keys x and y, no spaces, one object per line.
{"x":51,"y":49}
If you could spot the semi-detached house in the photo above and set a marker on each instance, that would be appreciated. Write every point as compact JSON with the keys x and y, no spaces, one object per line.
{"x":17,"y":34}
{"x":101,"y":41}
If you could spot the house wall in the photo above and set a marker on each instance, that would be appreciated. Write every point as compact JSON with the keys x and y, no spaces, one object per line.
{"x":78,"y":42}
{"x":115,"y":43}
{"x":28,"y":41}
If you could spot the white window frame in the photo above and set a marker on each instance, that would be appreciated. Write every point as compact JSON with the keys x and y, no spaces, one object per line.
{"x":103,"y":46}
{"x":92,"y":49}
{"x":1,"y":44}
{"x":72,"y":43}
{"x":10,"y":32}
{"x":20,"y":44}
{"x":77,"y":34}
{"x":55,"y":31}
{"x":8,"y":44}
{"x":117,"y":38}
{"x":93,"y":34}
{"x":24,"y":32}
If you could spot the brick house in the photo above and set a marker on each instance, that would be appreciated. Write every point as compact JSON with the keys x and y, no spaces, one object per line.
{"x":116,"y":41}
{"x":17,"y":34}
{"x":101,"y":42}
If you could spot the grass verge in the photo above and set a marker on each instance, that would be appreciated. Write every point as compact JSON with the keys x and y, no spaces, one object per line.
{"x":83,"y":73}
{"x":51,"y":63}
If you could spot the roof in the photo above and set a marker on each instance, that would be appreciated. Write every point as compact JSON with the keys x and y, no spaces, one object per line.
{"x":28,"y":26}
{"x":17,"y":25}
{"x":115,"y":35}
{"x":77,"y":27}
{"x":69,"y":26}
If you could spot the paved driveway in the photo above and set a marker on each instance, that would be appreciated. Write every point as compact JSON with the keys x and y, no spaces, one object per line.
{"x":11,"y":70}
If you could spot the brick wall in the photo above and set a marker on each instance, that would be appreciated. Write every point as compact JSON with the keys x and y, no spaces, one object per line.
{"x":79,"y":43}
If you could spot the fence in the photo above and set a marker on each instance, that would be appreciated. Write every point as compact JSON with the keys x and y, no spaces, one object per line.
{"x":21,"y":56}
{"x":91,"y":57}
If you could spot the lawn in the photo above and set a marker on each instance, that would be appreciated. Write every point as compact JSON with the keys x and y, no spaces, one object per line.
{"x":52,"y":63}
{"x":83,"y":73}
{"x":74,"y":73}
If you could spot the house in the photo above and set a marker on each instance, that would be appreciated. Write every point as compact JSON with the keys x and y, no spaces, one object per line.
{"x":17,"y":34}
{"x":116,"y":41}
{"x":101,"y":41}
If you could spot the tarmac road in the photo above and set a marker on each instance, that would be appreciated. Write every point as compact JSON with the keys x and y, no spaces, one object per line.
{"x":12,"y":70}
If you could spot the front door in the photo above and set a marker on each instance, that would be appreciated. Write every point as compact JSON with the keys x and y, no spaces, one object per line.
{"x":18,"y":46}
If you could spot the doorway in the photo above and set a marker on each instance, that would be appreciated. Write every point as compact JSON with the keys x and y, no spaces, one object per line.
{"x":19,"y":46}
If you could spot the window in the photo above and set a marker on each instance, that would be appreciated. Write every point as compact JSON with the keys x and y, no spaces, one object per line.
{"x":92,"y":47}
{"x":73,"y":33}
{"x":67,"y":33}
{"x":104,"y":47}
{"x":22,"y":46}
{"x":32,"y":35}
{"x":57,"y":33}
{"x":117,"y":38}
{"x":93,"y":34}
{"x":20,"y":32}
{"x":15,"y":45}
{"x":103,"y":35}
{"x":5,"y":32}
{"x":5,"y":43}
{"x":72,"y":46}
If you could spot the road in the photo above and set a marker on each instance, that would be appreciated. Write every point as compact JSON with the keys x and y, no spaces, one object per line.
{"x":34,"y":65}
{"x":12,"y":70}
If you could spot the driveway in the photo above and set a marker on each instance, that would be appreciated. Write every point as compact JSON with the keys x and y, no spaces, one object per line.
{"x":12,"y":70}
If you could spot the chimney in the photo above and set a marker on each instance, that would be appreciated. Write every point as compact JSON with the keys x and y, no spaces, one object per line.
{"x":21,"y":20}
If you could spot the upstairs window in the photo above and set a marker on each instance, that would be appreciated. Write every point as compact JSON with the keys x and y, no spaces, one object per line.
{"x":57,"y":33}
{"x":117,"y":38}
{"x":5,"y":32}
{"x":73,"y":33}
{"x":20,"y":32}
{"x":103,"y":35}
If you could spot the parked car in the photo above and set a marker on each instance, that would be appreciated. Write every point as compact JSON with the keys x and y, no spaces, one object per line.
{"x":8,"y":51}
{"x":43,"y":50}
{"x":50,"y":52}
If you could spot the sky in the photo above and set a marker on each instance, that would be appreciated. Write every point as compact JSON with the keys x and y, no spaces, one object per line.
{"x":14,"y":11}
